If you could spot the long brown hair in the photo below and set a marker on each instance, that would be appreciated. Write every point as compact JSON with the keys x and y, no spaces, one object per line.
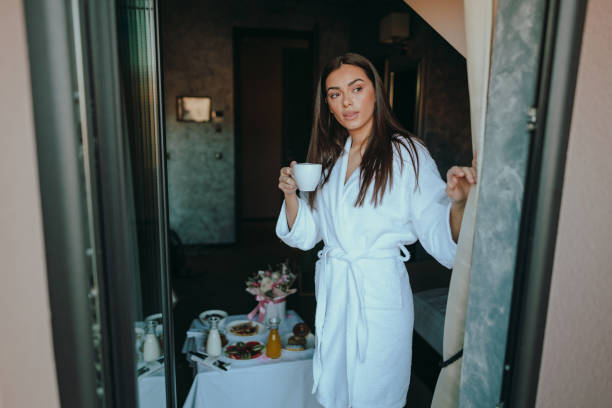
{"x":328,"y":137}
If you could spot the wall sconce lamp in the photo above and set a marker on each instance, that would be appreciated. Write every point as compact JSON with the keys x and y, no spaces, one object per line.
{"x":395,"y":28}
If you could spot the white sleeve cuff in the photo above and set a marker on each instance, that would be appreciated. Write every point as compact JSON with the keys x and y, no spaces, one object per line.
{"x":282,"y":226}
{"x":452,"y":245}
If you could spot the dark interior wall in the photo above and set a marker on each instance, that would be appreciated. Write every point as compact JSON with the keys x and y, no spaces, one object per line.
{"x":447,"y":131}
{"x":198,"y":60}
{"x":446,"y":116}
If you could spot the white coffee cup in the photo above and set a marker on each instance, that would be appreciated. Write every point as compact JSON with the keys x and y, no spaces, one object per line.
{"x":307,"y":176}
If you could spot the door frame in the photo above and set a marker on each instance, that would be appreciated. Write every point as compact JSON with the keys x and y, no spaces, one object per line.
{"x":90,"y":251}
{"x":510,"y":279}
{"x":70,"y":254}
{"x":397,"y":62}
{"x":541,"y":205}
{"x":54,"y":79}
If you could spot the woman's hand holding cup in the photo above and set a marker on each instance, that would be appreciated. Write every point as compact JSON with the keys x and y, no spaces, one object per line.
{"x":286,"y":183}
{"x":305,"y":176}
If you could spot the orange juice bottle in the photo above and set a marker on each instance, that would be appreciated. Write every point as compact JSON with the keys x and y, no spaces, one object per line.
{"x":273,"y":348}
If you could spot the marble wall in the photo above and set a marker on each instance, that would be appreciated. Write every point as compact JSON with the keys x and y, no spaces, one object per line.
{"x":198,"y":60}
{"x":512,"y":90}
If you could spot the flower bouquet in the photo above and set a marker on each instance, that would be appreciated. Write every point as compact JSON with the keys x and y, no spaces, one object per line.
{"x":271,"y":288}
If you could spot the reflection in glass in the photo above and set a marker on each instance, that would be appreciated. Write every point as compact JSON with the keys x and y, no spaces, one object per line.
{"x":137,"y":48}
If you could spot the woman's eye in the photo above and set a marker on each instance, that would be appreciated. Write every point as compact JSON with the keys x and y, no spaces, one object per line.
{"x":333,"y":95}
{"x":357,"y":89}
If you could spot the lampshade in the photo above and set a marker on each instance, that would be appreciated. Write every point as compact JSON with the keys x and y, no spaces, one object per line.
{"x":394,"y":27}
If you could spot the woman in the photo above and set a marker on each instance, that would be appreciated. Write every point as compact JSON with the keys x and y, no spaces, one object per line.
{"x":380,"y":190}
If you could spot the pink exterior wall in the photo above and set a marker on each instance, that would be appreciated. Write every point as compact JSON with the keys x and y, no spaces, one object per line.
{"x":27,"y":374}
{"x":576,"y":366}
{"x":446,"y":17}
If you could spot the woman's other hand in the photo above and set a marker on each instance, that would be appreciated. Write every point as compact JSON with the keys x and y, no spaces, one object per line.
{"x":286,"y":183}
{"x":459,"y":180}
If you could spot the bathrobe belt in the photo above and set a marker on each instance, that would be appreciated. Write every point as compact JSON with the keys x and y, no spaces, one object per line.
{"x":360,"y":336}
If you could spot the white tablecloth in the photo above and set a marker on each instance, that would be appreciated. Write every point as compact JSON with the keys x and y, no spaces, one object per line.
{"x":261,"y":383}
{"x":152,"y":390}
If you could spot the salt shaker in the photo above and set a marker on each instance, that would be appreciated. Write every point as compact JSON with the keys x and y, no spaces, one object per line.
{"x":213,"y":342}
{"x":151,"y":350}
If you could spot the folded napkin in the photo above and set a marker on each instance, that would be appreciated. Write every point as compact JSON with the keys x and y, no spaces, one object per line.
{"x":195,"y":333}
{"x":211,"y":362}
{"x":149,"y":368}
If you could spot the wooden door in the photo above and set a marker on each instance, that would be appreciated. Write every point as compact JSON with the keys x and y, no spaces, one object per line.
{"x":274,"y":107}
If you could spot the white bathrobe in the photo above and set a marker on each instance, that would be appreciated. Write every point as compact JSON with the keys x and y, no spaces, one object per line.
{"x":364,"y":316}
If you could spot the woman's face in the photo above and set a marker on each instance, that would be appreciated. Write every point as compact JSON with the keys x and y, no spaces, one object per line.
{"x":351,"y":98}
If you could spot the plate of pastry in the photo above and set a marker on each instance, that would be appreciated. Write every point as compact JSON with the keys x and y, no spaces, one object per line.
{"x":292,"y":342}
{"x":245,"y":330}
{"x":300,"y":339}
